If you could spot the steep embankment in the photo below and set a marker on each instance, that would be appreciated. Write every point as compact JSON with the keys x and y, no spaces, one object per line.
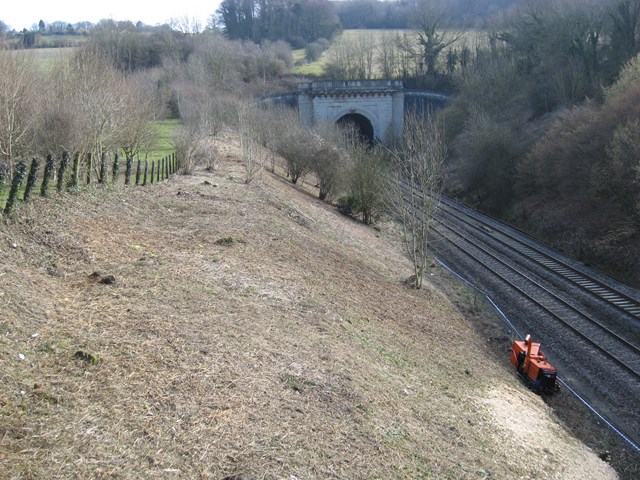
{"x":251,"y":332}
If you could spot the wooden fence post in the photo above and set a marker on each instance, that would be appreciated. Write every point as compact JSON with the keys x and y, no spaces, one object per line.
{"x":116,"y":168}
{"x":18,"y":176}
{"x":89,"y":165}
{"x":31,"y":179}
{"x":103,"y":168}
{"x":48,"y":172}
{"x":153,"y":166}
{"x":138,"y":171}
{"x":165,"y":162}
{"x":63,"y":169}
{"x":146,"y":167}
{"x":158,"y":166}
{"x":127,"y":174}
{"x":74,"y":181}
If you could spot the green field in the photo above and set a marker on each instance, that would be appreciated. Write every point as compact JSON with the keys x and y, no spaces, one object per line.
{"x":469,"y":38}
{"x":313,"y":69}
{"x":166,"y":131}
{"x":317,"y":68}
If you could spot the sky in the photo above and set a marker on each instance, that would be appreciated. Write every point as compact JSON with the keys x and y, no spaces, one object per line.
{"x":23,"y":14}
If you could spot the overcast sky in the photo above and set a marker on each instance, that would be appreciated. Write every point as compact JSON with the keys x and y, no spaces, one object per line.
{"x":19,"y":14}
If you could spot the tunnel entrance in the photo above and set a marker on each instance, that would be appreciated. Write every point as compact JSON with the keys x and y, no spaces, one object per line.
{"x":360,"y":123}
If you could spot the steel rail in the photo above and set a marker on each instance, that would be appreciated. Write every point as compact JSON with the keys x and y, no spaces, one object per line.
{"x":607,"y":422}
{"x":535,"y":301}
{"x":606,"y":293}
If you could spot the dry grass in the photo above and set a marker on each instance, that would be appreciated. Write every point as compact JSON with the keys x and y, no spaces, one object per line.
{"x":292,"y":350}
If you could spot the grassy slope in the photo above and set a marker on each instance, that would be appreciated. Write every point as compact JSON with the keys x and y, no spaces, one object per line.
{"x":251,"y":331}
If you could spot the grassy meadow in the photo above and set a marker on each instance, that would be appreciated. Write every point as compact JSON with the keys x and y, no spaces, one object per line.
{"x":469,"y":38}
{"x":165,"y":131}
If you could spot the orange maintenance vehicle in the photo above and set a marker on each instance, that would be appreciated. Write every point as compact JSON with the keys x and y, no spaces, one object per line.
{"x":532,"y":365}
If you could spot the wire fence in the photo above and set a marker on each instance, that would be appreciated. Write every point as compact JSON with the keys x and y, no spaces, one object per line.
{"x":70,"y":173}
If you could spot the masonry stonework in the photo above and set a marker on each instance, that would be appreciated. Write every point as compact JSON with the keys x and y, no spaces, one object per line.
{"x":381,"y":102}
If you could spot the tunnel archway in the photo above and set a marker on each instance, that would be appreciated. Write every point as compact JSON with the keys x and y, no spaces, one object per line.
{"x":361,"y":124}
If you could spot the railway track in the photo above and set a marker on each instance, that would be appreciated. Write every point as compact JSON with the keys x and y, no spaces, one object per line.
{"x":606,"y":292}
{"x":589,"y":324}
{"x":609,"y":343}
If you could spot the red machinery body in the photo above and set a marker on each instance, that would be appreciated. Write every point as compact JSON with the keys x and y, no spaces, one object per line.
{"x":532,"y":365}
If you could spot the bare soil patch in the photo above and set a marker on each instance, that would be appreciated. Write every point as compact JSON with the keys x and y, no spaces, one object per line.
{"x":250,"y":331}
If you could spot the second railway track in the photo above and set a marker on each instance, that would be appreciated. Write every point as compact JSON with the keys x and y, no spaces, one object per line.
{"x":607,"y":292}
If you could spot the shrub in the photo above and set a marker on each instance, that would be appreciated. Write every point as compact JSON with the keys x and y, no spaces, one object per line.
{"x":367,"y":178}
{"x":347,"y":204}
{"x":314,"y":50}
{"x":329,"y":160}
{"x":190,"y":148}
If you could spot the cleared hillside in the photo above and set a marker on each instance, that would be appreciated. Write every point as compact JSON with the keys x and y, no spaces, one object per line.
{"x":251,"y":332}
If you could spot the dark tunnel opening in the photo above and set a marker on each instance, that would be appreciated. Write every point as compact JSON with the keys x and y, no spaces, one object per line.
{"x":361,"y":124}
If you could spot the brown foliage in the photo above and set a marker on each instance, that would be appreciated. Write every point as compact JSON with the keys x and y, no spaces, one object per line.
{"x":573,"y":153}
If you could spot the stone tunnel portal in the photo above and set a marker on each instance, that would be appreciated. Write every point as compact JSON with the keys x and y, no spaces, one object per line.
{"x":375,"y":107}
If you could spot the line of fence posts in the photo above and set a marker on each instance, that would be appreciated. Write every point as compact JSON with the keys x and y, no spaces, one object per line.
{"x":165,"y":167}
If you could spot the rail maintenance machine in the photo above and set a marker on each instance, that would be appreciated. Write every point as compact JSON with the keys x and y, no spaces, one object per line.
{"x":532,"y":365}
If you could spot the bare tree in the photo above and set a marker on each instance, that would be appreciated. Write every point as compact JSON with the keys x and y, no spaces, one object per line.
{"x":190,"y":149}
{"x":282,"y":134}
{"x":58,"y":125}
{"x":186,"y":24}
{"x":215,"y":62}
{"x":352,"y":58}
{"x":135,"y":131}
{"x":329,"y":159}
{"x":18,"y":104}
{"x":273,"y":123}
{"x":252,"y":153}
{"x":293,"y":147}
{"x":434,"y":34}
{"x":387,"y":57}
{"x":206,"y":110}
{"x":100,"y":100}
{"x":408,"y":54}
{"x":415,"y":185}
